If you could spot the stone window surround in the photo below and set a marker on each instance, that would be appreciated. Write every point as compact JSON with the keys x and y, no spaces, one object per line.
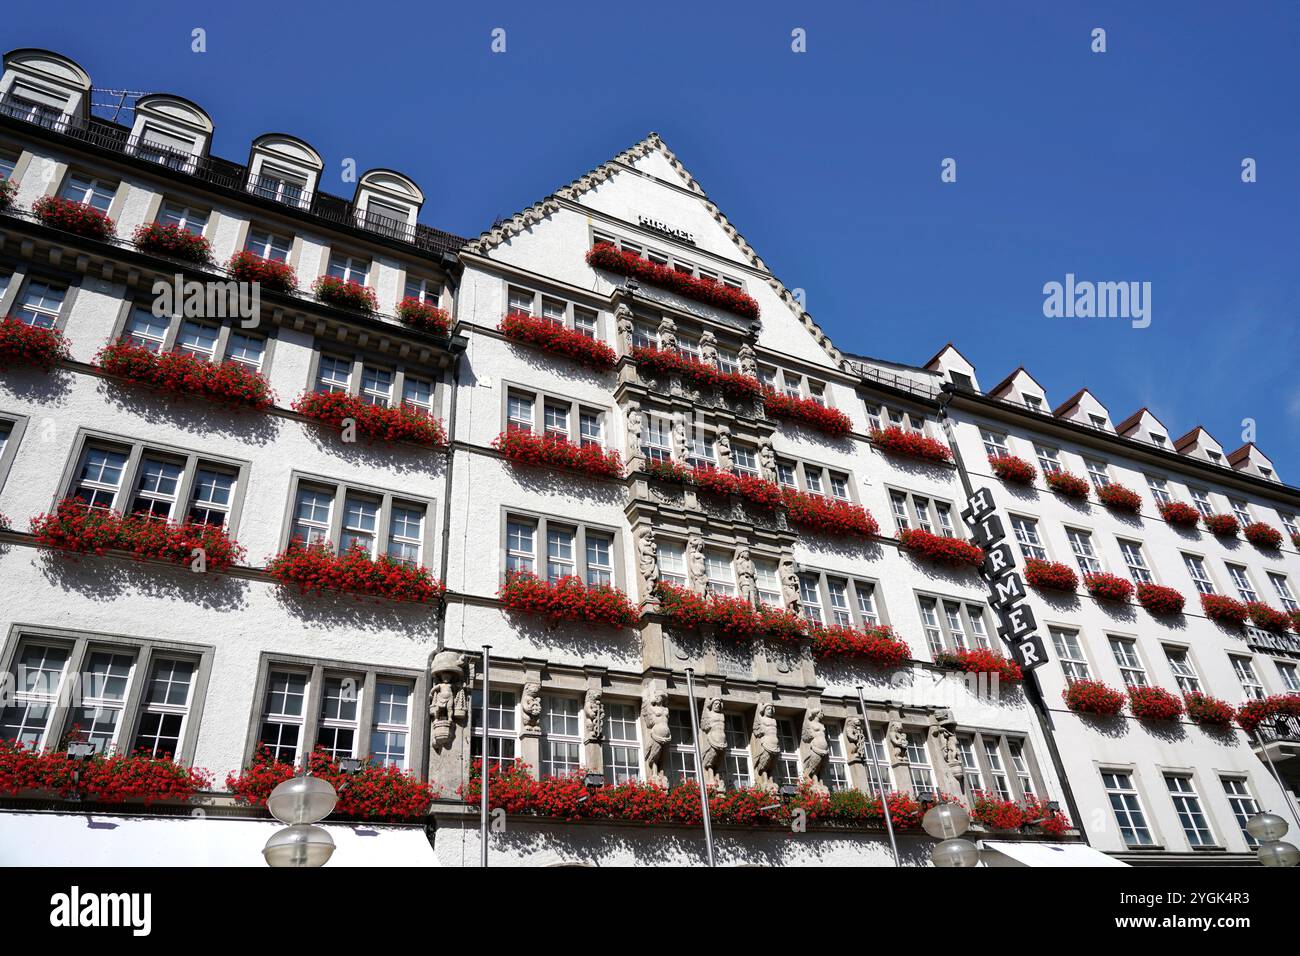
{"x":1004,"y":740}
{"x":1138,"y":785}
{"x":361,"y":357}
{"x":912,"y":516}
{"x":854,"y":581}
{"x":672,"y":260}
{"x":803,"y":465}
{"x":884,"y":411}
{"x":17,"y":428}
{"x":80,"y":641}
{"x":318,"y":668}
{"x":537,"y":290}
{"x":690,"y":327}
{"x":965,"y":603}
{"x":22,"y":275}
{"x":344,"y":487}
{"x":136,"y":448}
{"x":540,"y":398}
{"x":266,"y":331}
{"x":1044,"y":540}
{"x":580,"y":527}
{"x":1191,"y":773}
{"x":62,"y":171}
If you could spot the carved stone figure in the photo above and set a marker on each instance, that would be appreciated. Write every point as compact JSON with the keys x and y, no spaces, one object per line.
{"x":680,"y":447}
{"x":647,"y":558}
{"x":668,"y":335}
{"x":654,"y":717}
{"x":767,"y":459}
{"x":819,"y":746}
{"x":709,"y":348}
{"x":748,"y":361}
{"x":530,"y":709}
{"x":696,"y":564}
{"x":790,"y":584}
{"x":746,"y":576}
{"x":623,"y":324}
{"x":944,"y":734}
{"x":713,"y":734}
{"x":766,"y":740}
{"x":896,"y":738}
{"x":855,"y":741}
{"x":722,"y":442}
{"x":448,"y":702}
{"x":593,"y":709}
{"x":634,"y":422}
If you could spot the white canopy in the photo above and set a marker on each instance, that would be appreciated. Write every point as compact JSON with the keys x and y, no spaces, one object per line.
{"x":1000,"y":853}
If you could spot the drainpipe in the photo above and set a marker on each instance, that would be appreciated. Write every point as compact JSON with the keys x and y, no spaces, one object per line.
{"x":1032,"y":690}
{"x":458,"y":344}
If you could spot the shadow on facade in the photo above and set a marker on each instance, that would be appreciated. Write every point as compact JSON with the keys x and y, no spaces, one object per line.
{"x":327,"y":611}
{"x":193,"y":415}
{"x":110,"y":578}
{"x":404,"y":458}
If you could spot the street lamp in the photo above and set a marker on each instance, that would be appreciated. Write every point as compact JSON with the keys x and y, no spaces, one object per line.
{"x":1268,"y":829}
{"x":300,"y":802}
{"x":947,"y":822}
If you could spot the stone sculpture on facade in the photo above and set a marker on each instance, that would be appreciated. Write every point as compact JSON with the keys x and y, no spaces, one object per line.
{"x":766,"y":741}
{"x":748,"y":361}
{"x":943,"y":732}
{"x":697,"y":565}
{"x":647,"y":558}
{"x":767,"y":459}
{"x":634,"y":424}
{"x":713,"y":737}
{"x":668,"y":335}
{"x":819,"y":746}
{"x":896,"y":738}
{"x":722,"y":442}
{"x":624,"y":325}
{"x":746,"y":575}
{"x":593,"y":711}
{"x":855,"y":741}
{"x":448,"y":702}
{"x":530,"y":709}
{"x":654,"y":718}
{"x":709,"y":348}
{"x":680,"y":448}
{"x":790,"y":584}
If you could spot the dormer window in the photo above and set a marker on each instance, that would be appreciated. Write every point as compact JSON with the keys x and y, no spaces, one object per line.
{"x":386,"y":217}
{"x":1033,"y":402}
{"x":1158,"y":438}
{"x":186,"y":217}
{"x":280,"y":186}
{"x":30,"y":103}
{"x":1098,"y":421}
{"x":1266,"y":472}
{"x":166,"y":147}
{"x":1215,"y":456}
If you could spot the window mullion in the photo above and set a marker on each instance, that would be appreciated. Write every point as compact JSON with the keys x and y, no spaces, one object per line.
{"x":366,"y":717}
{"x":223,"y":343}
{"x":61,"y":711}
{"x":129,"y":475}
{"x":135,"y":693}
{"x":383,"y":524}
{"x":336,"y":517}
{"x":311,"y":713}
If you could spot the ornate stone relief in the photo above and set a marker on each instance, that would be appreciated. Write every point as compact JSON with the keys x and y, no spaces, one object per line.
{"x":654,"y":718}
{"x":943,"y":732}
{"x":593,"y":709}
{"x":765,"y":745}
{"x":819,"y":747}
{"x":713,"y":737}
{"x":448,"y":701}
{"x":530,"y":709}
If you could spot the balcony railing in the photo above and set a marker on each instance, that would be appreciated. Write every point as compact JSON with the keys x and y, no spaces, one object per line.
{"x":225,"y":174}
{"x":1283,"y":729}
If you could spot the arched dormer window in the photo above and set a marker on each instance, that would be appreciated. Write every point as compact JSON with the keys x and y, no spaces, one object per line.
{"x":170,"y":131}
{"x":44,"y":88}
{"x":284,"y":169}
{"x":387,"y":203}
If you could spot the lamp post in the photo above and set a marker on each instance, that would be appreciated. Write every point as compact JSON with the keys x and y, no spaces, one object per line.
{"x":699,"y":768}
{"x":880,"y":777}
{"x":300,"y":802}
{"x":483,"y":767}
{"x":947,"y":822}
{"x":1269,"y":829}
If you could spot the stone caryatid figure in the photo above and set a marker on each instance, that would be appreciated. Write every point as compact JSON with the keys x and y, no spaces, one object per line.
{"x":634,"y":426}
{"x":766,"y":747}
{"x":624,"y":326}
{"x":654,"y":719}
{"x":855,"y":741}
{"x":593,"y":711}
{"x":713,"y":735}
{"x":722,"y":441}
{"x":896,"y":738}
{"x":943,"y":732}
{"x":767,"y":459}
{"x":530,"y":709}
{"x":696,"y":564}
{"x":819,"y":745}
{"x":790,"y":584}
{"x":448,"y":702}
{"x":647,"y":558}
{"x":709,"y":348}
{"x":680,"y":447}
{"x":748,"y":361}
{"x":668,"y":334}
{"x":746,"y":575}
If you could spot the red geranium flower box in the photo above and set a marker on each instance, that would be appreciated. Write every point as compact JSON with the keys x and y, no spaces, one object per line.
{"x":992,"y":811}
{"x":1093,"y":697}
{"x":1108,"y":587}
{"x":74,"y":526}
{"x":269,"y":273}
{"x":1119,"y":498}
{"x":1013,"y":470}
{"x":941,"y":549}
{"x":116,"y":778}
{"x":668,"y":470}
{"x":1160,"y":600}
{"x":1154,"y":703}
{"x":555,"y":451}
{"x":423,"y":316}
{"x":1253,"y":712}
{"x":828,"y":516}
{"x":173,"y":241}
{"x":7,"y":191}
{"x":684,"y":608}
{"x":405,"y":423}
{"x":739,"y":387}
{"x":78,"y":217}
{"x":181,"y":375}
{"x":734,"y":617}
{"x":1067,"y":485}
{"x":1225,"y":526}
{"x":348,"y":294}
{"x":665,"y":362}
{"x":23,"y":345}
{"x":1180,"y":514}
{"x":909,"y":444}
{"x":1263,"y":535}
{"x":982,"y":661}
{"x":1225,"y":610}
{"x":877,"y":645}
{"x":604,"y":256}
{"x":1295,"y":539}
{"x":555,"y":338}
{"x":715,"y":482}
{"x":759,"y":492}
{"x":316,"y":567}
{"x":1051,"y":575}
{"x":1295,"y":620}
{"x":1207,"y":710}
{"x":568,"y":599}
{"x":805,"y":411}
{"x":1049,"y":819}
{"x":782,"y":624}
{"x":1266,"y":618}
{"x":375,"y":792}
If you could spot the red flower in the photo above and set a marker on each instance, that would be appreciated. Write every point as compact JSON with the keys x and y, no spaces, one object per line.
{"x":1180,"y":514}
{"x":568,"y":599}
{"x":1051,"y":575}
{"x":78,"y":217}
{"x":1224,"y":610}
{"x":1263,"y":535}
{"x":875,"y":644}
{"x":1050,"y":820}
{"x":1253,"y":712}
{"x":1266,"y":618}
{"x":555,"y":451}
{"x":1013,"y":470}
{"x":982,"y":661}
{"x":739,"y":387}
{"x":1108,"y":587}
{"x":1093,"y":697}
{"x":1119,"y":498}
{"x":832,"y":517}
{"x":1204,"y":709}
{"x":806,"y":411}
{"x":375,"y":792}
{"x":269,"y":273}
{"x":1154,"y":703}
{"x":7,"y":191}
{"x":759,"y":492}
{"x":668,"y":470}
{"x":941,"y":549}
{"x":709,"y":291}
{"x":1160,"y":600}
{"x":992,"y":811}
{"x":376,"y":422}
{"x":734,"y":618}
{"x":315,"y":567}
{"x":715,"y":482}
{"x":30,"y":345}
{"x":423,"y":316}
{"x":553,"y":337}
{"x":782,"y":624}
{"x":173,"y":241}
{"x":909,"y":444}
{"x":180,"y":374}
{"x":346,"y":295}
{"x":1225,"y":526}
{"x":1067,"y":485}
{"x":116,"y":778}
{"x":682,"y":607}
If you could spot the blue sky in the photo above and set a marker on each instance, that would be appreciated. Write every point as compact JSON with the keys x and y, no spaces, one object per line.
{"x":1116,"y":166}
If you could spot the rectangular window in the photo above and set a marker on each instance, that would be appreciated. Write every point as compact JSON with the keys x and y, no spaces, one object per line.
{"x":268,"y":245}
{"x":417,"y":393}
{"x":1136,"y":562}
{"x":1098,"y":473}
{"x":1180,"y":662}
{"x":970,"y":765}
{"x":590,"y":428}
{"x":1070,"y":654}
{"x":1128,"y":808}
{"x":1159,"y":490}
{"x":1049,"y":459}
{"x":995,"y":445}
{"x":103,"y":686}
{"x":1241,"y":580}
{"x":99,"y":477}
{"x":788,"y":760}
{"x":738,"y":769}
{"x":38,"y":679}
{"x":600,"y":558}
{"x":681,"y":748}
{"x":1188,"y":807}
{"x":360,"y":524}
{"x":1290,"y":675}
{"x":1241,"y":511}
{"x":391,"y":729}
{"x":559,"y":553}
{"x":561,"y":739}
{"x":1280,"y":586}
{"x":918,"y":764}
{"x":520,"y":301}
{"x":584,"y":321}
{"x":722,"y":579}
{"x":334,"y":374}
{"x":672,"y":562}
{"x":1244,"y":668}
{"x":838,"y":591}
{"x":339,"y":716}
{"x":164,"y":708}
{"x":500,"y":729}
{"x":374,"y":521}
{"x":1130,"y":664}
{"x":406,"y":535}
{"x":657,"y":439}
{"x":246,"y":350}
{"x":348,"y":268}
{"x":89,"y":190}
{"x":283,"y":715}
{"x":1243,"y":803}
{"x":866,"y":596}
{"x":1020,"y":763}
{"x":767,"y":581}
{"x":281,"y":187}
{"x":1081,"y":545}
{"x":997,"y":772}
{"x":377,"y":386}
{"x":837,"y":767}
{"x":1200,"y":576}
{"x":622,"y":748}
{"x":519,"y":412}
{"x":1026,"y":532}
{"x":1201,"y":499}
{"x":930,"y":623}
{"x":185,"y":217}
{"x":810,"y":598}
{"x":157,"y":487}
{"x":40,"y":303}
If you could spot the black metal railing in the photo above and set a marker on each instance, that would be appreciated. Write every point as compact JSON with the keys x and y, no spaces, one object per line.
{"x":893,"y":380}
{"x":1283,"y":729}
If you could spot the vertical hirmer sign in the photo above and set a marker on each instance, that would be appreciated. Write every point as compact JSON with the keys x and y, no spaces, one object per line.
{"x":1006,"y":588}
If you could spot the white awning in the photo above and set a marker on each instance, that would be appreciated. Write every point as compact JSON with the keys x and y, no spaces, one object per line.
{"x":999,"y":853}
{"x":65,"y":839}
